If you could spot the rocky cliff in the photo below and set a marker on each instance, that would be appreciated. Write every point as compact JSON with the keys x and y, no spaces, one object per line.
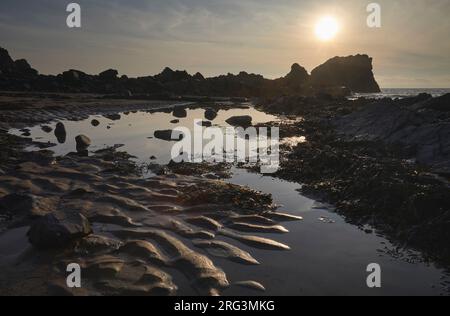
{"x":353,"y":72}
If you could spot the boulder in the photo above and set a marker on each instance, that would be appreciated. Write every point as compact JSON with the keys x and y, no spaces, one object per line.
{"x":210,"y":114}
{"x":95,"y":123}
{"x":60,"y":133}
{"x":244,"y":120}
{"x":353,"y":72}
{"x":169,"y":135}
{"x":179,"y":112}
{"x":57,"y":231}
{"x":83,"y":142}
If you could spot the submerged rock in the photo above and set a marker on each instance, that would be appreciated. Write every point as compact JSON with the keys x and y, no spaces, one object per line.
{"x":244,"y":121}
{"x":60,"y":133}
{"x":56,"y":231}
{"x":47,"y":128}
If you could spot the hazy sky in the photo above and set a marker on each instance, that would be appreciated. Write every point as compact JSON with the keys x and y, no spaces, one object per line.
{"x":138,"y":37}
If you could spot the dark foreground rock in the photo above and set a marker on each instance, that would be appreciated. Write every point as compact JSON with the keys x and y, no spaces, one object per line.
{"x":244,"y":121}
{"x":56,"y":231}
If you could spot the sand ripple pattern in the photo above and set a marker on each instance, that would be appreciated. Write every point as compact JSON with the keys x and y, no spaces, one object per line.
{"x":145,"y":229}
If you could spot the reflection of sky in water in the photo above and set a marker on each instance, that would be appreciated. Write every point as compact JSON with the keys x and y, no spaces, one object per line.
{"x":135,"y":131}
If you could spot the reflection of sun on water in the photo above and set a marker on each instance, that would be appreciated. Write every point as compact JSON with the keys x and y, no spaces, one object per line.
{"x":327,"y":28}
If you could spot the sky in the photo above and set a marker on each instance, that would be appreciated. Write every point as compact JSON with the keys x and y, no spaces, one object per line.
{"x":138,"y":37}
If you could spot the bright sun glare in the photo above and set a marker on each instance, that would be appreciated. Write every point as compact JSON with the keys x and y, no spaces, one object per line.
{"x":327,"y":28}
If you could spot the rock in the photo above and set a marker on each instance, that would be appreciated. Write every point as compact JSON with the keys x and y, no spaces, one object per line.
{"x":179,"y":112}
{"x":168,"y":75}
{"x":60,"y":133}
{"x":204,"y":123}
{"x":46,"y":128}
{"x":198,"y":76}
{"x":295,"y":79}
{"x":73,"y":75}
{"x":113,"y":117}
{"x":23,"y":68}
{"x":210,"y":114}
{"x":396,"y":122}
{"x":95,"y":123}
{"x":6,"y":62}
{"x":83,"y":142}
{"x":353,"y":72}
{"x":53,"y":231}
{"x":17,"y":204}
{"x":244,"y":121}
{"x":167,"y":135}
{"x":109,"y":74}
{"x":175,"y":121}
{"x":441,"y":104}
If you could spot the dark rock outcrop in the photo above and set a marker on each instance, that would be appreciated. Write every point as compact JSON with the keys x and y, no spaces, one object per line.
{"x":424,"y":132}
{"x":353,"y":72}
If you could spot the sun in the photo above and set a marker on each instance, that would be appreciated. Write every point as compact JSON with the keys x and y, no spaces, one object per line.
{"x":327,"y":28}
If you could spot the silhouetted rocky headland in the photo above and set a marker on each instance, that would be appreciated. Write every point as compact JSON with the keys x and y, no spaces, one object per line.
{"x":338,"y":76}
